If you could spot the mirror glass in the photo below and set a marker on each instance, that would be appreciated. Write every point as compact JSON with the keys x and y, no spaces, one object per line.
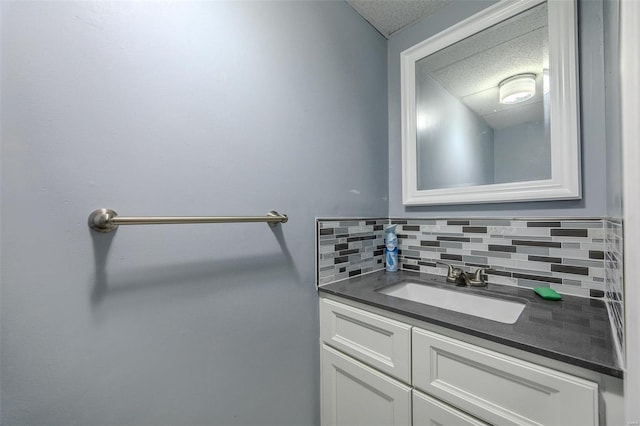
{"x":490,"y":109}
{"x":462,"y":122}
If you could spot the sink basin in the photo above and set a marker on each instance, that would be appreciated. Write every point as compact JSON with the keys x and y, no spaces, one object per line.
{"x":490,"y":308}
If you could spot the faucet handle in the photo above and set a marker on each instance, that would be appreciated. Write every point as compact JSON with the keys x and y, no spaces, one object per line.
{"x":479,"y":272}
{"x":478,"y":278}
{"x":454,"y":275}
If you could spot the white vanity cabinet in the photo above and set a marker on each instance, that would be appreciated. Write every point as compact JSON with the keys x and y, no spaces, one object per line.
{"x":381,"y":342}
{"x":428,"y":411}
{"x":498,"y":388}
{"x":354,"y":394}
{"x":380,"y":370}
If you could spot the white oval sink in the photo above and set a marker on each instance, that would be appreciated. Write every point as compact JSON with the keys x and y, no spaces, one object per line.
{"x":490,"y":308}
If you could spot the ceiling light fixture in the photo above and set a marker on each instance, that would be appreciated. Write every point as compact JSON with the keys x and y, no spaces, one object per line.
{"x":518,"y":88}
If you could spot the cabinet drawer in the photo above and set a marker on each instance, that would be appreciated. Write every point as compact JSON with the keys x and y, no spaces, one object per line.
{"x":354,"y":394}
{"x":428,"y":411}
{"x":381,"y":342}
{"x":500,"y":389}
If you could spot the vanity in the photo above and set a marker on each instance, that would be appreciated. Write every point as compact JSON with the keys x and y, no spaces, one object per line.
{"x":489,"y":114}
{"x":386,"y":360}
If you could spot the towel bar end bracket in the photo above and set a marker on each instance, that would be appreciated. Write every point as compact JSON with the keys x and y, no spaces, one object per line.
{"x":100,"y":220}
{"x":283,"y":218}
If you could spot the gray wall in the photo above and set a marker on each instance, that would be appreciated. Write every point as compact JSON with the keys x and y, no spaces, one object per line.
{"x":612,"y":107}
{"x":592,"y":112}
{"x":221,"y":108}
{"x":521,"y":152}
{"x":453,"y":137}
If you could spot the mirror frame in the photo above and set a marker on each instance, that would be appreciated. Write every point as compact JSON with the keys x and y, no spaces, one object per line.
{"x":565,"y":182}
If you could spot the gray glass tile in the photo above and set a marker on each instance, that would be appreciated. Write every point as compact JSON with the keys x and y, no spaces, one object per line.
{"x":474,"y":229}
{"x":543,"y":251}
{"x":450,"y":244}
{"x":422,"y":248}
{"x":529,"y":242}
{"x":494,"y":271}
{"x":449,"y":234}
{"x":571,"y":245}
{"x":524,"y":270}
{"x":528,"y":237}
{"x":422,"y":222}
{"x":581,"y":224}
{"x":329,"y":242}
{"x":569,"y":232}
{"x":349,"y":222}
{"x":587,"y":263}
{"x":543,"y":224}
{"x":545,"y":259}
{"x":537,"y":277}
{"x":490,"y":222}
{"x":475,"y":259}
{"x":596,"y":254}
{"x":491,"y":254}
{"x":501,"y":248}
{"x":459,"y":239}
{"x":578,"y":270}
{"x":445,"y":256}
{"x":523,"y":282}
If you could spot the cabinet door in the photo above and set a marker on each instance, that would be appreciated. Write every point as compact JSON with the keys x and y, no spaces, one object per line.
{"x":429,"y":411}
{"x":354,"y":394}
{"x":380,"y":342}
{"x":500,"y":389}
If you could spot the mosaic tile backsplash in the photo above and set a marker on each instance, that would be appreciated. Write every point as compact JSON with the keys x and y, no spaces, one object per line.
{"x":566,"y":255}
{"x":348,"y":247}
{"x":613,"y":273}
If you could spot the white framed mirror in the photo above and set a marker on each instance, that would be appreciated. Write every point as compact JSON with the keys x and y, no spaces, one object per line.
{"x":490,"y":108}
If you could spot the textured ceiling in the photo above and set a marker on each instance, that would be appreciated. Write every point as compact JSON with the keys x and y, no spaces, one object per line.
{"x":389,"y":16}
{"x":482,"y":61}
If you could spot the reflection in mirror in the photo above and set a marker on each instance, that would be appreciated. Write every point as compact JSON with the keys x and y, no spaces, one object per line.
{"x":490,"y":108}
{"x":482,"y":107}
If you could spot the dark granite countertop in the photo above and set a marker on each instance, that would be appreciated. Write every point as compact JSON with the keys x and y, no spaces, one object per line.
{"x":574,"y":330}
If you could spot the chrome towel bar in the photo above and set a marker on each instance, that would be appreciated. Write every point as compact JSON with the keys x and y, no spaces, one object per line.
{"x":107,"y":220}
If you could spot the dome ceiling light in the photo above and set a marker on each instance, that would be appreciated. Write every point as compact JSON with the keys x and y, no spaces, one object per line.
{"x":517,"y":88}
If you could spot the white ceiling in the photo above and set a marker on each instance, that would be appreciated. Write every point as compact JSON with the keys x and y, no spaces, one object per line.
{"x":389,"y":16}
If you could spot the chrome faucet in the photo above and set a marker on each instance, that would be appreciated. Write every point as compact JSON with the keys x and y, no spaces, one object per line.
{"x":455,"y":275}
{"x":459,"y":277}
{"x":477,"y":280}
